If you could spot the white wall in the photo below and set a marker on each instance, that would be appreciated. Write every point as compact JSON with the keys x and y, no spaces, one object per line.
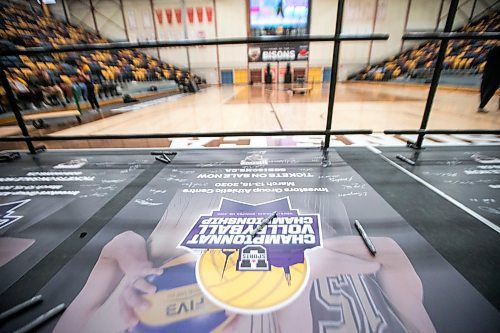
{"x":323,"y":14}
{"x":171,"y":31}
{"x":232,"y":22}
{"x":80,"y":15}
{"x":109,"y":20}
{"x":139,"y":20}
{"x":390,"y":19}
{"x":57,"y":11}
{"x":464,"y":11}
{"x":203,"y":58}
{"x":423,"y":15}
{"x":481,"y":5}
{"x":108,"y":16}
{"x":230,"y":19}
{"x":358,"y":19}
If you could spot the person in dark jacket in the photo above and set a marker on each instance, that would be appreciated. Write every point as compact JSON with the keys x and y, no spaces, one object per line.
{"x":91,"y":93}
{"x":491,"y":77}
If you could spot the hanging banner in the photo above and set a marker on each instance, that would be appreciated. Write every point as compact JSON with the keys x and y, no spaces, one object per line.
{"x":178,"y":15}
{"x":159,"y":15}
{"x":199,"y":13}
{"x":209,"y":12}
{"x":168,"y":13}
{"x":286,"y":52}
{"x":190,"y":14}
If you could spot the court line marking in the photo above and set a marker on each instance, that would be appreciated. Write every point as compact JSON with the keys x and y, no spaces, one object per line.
{"x":276,"y":115}
{"x":232,"y":95}
{"x":466,"y":209}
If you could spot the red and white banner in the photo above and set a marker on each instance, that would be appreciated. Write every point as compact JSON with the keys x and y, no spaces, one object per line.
{"x":168,"y":13}
{"x":209,"y":12}
{"x":199,"y":13}
{"x":178,"y":15}
{"x":190,"y":14}
{"x":159,"y":15}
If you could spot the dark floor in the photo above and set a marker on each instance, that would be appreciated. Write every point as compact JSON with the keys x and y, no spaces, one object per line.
{"x":470,"y":246}
{"x":81,"y":209}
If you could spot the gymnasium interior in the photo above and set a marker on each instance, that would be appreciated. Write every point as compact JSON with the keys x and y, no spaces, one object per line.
{"x":249,"y":166}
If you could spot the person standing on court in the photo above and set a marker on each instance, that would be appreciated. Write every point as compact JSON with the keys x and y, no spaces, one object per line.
{"x":491,"y":77}
{"x":87,"y":80}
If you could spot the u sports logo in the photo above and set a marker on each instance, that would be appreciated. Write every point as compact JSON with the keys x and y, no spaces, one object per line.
{"x":247,"y":273}
{"x":253,"y":258}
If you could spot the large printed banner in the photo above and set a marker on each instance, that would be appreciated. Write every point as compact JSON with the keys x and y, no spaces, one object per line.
{"x":280,"y":52}
{"x":37,"y":200}
{"x":260,"y":241}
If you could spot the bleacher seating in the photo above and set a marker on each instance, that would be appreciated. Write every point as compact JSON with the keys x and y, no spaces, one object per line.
{"x":22,"y":27}
{"x":463,"y":56}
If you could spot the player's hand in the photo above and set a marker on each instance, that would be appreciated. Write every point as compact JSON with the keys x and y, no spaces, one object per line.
{"x":341,"y":255}
{"x":129,"y":252}
{"x":136,"y":286}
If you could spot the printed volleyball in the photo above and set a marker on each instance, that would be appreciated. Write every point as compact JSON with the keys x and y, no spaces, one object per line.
{"x":179,"y":305}
{"x":247,"y":291}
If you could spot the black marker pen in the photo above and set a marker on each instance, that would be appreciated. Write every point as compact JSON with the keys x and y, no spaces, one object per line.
{"x":367,"y":240}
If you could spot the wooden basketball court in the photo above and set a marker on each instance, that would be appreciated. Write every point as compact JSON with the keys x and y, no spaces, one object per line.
{"x":376,"y":106}
{"x":251,"y":108}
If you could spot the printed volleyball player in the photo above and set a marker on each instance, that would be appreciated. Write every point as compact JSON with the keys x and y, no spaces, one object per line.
{"x":348,"y":290}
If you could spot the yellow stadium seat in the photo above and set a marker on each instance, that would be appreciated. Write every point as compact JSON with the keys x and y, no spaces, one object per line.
{"x":65,"y":79}
{"x":469,"y":63}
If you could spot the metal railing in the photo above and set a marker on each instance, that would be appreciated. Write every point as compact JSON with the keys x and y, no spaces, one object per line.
{"x":337,"y":38}
{"x":451,"y":35}
{"x":178,"y":135}
{"x":192,"y":42}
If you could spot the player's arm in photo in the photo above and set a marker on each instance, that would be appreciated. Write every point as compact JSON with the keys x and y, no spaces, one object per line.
{"x":120,"y":270}
{"x":399,"y":280}
{"x":117,"y":284}
{"x":347,"y":255}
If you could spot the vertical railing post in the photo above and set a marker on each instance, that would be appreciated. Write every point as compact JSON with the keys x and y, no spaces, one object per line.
{"x":472,"y":11}
{"x":17,"y":113}
{"x":437,"y":73}
{"x":63,"y":3}
{"x":217,"y":46}
{"x":92,"y":11}
{"x":374,"y":21}
{"x":154,"y":26}
{"x":439,"y":15}
{"x":184,"y":25}
{"x":333,"y":75}
{"x":405,"y":29}
{"x":124,"y":21}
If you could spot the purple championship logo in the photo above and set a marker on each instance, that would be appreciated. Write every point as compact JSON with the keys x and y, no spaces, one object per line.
{"x":245,"y":239}
{"x":283,"y":240}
